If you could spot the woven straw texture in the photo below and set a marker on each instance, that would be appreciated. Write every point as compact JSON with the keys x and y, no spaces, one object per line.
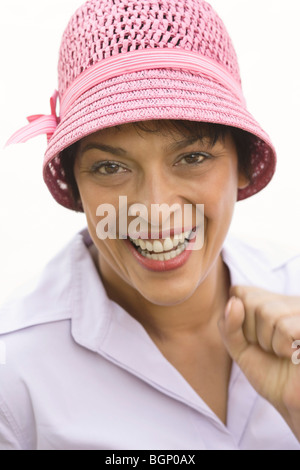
{"x":101,"y":29}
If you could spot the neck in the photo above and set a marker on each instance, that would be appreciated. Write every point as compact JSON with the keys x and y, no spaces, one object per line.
{"x":195,"y":315}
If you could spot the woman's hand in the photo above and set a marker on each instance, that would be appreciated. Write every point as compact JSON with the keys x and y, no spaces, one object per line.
{"x":261,"y":331}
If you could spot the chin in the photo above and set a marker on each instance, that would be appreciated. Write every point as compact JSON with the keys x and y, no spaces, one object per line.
{"x":168,"y":296}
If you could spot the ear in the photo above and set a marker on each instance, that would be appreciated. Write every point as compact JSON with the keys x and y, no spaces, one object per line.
{"x":243,"y":181}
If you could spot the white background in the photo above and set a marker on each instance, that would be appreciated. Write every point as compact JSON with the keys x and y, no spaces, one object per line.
{"x":266,"y":36}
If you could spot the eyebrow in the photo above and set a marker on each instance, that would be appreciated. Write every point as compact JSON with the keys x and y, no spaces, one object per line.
{"x":118,"y":151}
{"x":178,"y":145}
{"x":105,"y":148}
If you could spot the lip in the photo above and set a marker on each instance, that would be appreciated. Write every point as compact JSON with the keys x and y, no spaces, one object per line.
{"x":160,"y":266}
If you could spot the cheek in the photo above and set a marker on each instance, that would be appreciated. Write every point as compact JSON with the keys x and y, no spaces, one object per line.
{"x":108,"y":248}
{"x":92,"y":196}
{"x":218,"y":190}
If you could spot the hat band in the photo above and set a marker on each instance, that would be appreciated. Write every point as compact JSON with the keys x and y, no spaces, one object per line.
{"x":147,"y":59}
{"x":115,"y":66}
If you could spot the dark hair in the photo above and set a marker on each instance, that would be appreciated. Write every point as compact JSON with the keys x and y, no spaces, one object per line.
{"x":243,"y":141}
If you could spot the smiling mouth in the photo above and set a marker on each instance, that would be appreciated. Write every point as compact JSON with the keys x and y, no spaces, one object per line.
{"x":163,"y":249}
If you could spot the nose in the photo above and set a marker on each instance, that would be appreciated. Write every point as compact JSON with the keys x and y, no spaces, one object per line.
{"x":159,"y":193}
{"x":157,"y":188}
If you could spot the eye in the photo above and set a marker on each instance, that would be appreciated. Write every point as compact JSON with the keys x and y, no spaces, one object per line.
{"x":108,"y":168}
{"x":195,"y":158}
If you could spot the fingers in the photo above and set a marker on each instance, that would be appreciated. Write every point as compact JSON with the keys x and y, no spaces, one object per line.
{"x":266,"y":318}
{"x":287,"y":331}
{"x":231,"y":327}
{"x":272,"y":321}
{"x":252,"y":298}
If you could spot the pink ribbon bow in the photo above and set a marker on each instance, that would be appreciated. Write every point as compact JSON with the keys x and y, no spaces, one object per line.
{"x":38,"y":124}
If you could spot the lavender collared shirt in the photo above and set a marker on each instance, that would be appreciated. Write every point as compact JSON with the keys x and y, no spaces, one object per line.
{"x":77,"y":372}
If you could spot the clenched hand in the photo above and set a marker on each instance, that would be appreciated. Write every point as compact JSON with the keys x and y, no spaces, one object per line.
{"x":259,"y":330}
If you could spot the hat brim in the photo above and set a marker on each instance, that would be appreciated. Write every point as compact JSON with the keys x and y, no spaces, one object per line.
{"x":152,"y":95}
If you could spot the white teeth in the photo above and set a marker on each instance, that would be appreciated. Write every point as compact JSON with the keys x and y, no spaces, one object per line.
{"x":161,"y":246}
{"x":175,"y":242}
{"x":149,"y":246}
{"x":168,"y":244}
{"x":187,"y":234}
{"x":180,"y":237}
{"x":164,"y":256}
{"x":142,"y":244}
{"x":158,"y":247}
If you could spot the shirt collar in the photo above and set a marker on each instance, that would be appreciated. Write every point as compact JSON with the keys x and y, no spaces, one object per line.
{"x":254,"y":265}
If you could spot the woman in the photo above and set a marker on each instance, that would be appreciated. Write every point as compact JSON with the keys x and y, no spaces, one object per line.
{"x":136,"y":337}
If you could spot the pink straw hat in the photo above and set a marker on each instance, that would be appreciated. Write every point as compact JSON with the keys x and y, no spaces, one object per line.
{"x":124,"y":61}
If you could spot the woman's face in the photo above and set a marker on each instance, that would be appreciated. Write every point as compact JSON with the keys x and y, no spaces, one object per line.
{"x":158,"y":168}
